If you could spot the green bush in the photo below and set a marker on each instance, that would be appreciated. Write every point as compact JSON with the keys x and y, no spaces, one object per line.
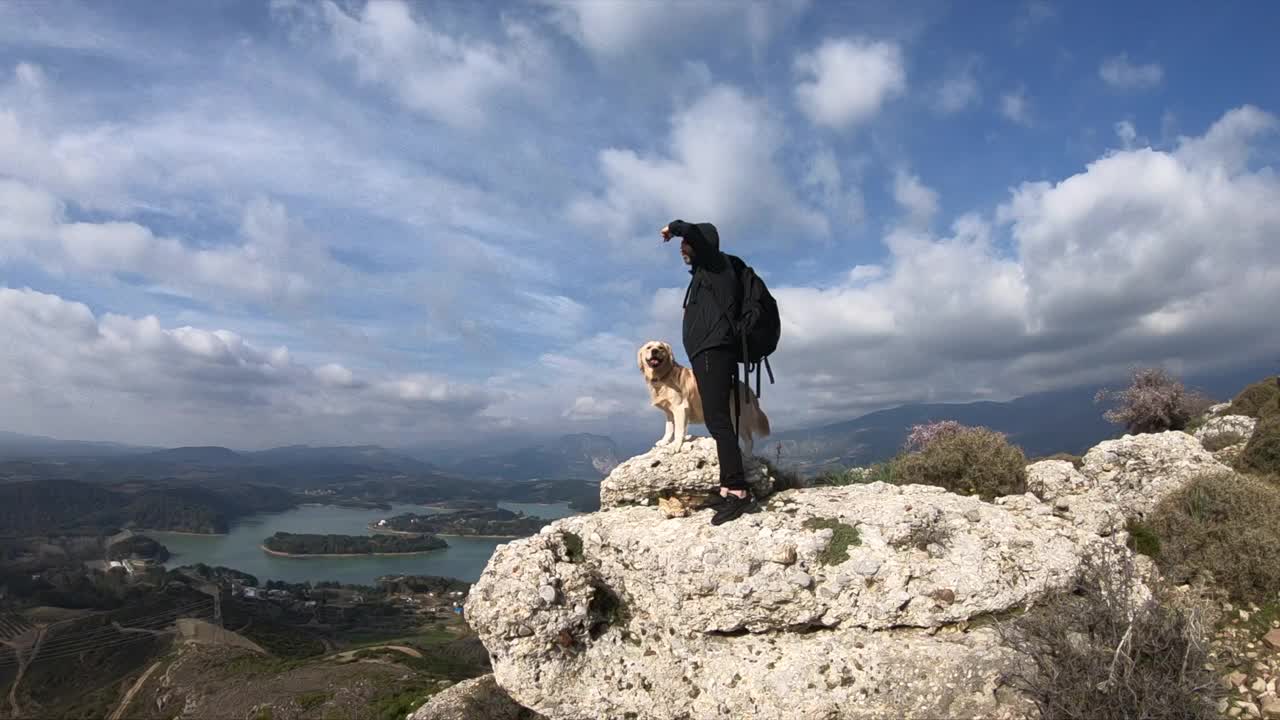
{"x":1257,"y":399}
{"x":1223,"y":525}
{"x":969,"y":461}
{"x":1262,"y":453}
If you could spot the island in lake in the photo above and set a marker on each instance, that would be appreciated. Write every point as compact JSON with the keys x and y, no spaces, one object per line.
{"x":315,"y":545}
{"x":489,"y":522}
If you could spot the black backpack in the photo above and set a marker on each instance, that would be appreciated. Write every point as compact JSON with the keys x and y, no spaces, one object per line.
{"x":759,"y":325}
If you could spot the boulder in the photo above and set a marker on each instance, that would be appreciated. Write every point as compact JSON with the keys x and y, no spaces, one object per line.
{"x":844,"y":602}
{"x":690,"y":474}
{"x":1052,"y":479}
{"x":1217,"y":434}
{"x":1217,"y":409}
{"x":1135,"y":472}
{"x":1227,"y":424}
{"x":471,"y":700}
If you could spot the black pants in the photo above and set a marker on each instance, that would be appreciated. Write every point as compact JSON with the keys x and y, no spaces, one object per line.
{"x":715,"y":369}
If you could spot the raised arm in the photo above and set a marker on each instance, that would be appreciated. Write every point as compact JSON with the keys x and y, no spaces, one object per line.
{"x":702,"y":247}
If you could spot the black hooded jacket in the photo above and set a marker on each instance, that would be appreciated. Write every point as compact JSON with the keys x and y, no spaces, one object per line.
{"x":711,"y":301}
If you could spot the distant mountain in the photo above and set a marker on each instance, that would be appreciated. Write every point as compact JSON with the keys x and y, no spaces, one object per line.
{"x":1041,"y":424}
{"x":570,"y":457}
{"x":210,"y":456}
{"x":369,"y":456}
{"x":15,"y":446}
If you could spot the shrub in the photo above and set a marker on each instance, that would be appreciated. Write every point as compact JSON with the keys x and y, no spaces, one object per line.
{"x":968,"y":461}
{"x":1257,"y":399}
{"x":921,"y":435}
{"x":1262,"y":453}
{"x":1154,"y":402}
{"x":1093,"y":656}
{"x":1142,"y":539}
{"x":880,"y":472}
{"x":1222,"y":525}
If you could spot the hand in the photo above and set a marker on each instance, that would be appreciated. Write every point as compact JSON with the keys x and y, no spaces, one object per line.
{"x":666,"y":233}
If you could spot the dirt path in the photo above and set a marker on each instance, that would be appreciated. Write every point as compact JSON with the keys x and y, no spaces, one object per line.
{"x":411,"y":652}
{"x":137,"y":685}
{"x":22,"y":670}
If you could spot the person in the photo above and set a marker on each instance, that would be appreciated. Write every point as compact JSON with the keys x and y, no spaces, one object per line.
{"x":710,"y":340}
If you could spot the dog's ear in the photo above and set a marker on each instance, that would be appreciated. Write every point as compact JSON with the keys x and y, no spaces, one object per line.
{"x":671,"y":354}
{"x":640,"y":356}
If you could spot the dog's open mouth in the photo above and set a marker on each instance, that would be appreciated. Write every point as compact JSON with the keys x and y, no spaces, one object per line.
{"x":655,"y":361}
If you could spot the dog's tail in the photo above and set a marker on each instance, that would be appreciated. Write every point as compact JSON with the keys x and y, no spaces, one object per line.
{"x":762,"y":422}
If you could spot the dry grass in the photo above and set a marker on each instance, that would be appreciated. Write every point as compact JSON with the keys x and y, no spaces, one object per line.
{"x":1262,"y":453}
{"x":1222,"y":526}
{"x":1260,"y":399}
{"x":1093,"y":655}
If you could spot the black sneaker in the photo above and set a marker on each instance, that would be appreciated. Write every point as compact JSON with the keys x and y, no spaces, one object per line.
{"x":733,"y":507}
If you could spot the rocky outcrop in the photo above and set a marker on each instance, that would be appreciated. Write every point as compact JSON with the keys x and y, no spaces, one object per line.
{"x":689,"y":476}
{"x":1052,"y":479}
{"x":851,"y":602}
{"x":1120,"y":479}
{"x":1227,"y":425}
{"x":475,"y":699}
{"x":1226,"y":436}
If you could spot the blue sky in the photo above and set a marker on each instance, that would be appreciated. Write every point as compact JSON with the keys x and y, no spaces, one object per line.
{"x":257,"y":223}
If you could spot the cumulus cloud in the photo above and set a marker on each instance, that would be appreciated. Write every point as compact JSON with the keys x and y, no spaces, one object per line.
{"x":264,"y":265}
{"x":451,"y":77}
{"x":722,"y":162}
{"x":613,"y":30}
{"x":845,"y":82}
{"x":1065,"y":282}
{"x":129,"y":376}
{"x":1120,"y":73}
{"x":917,"y":199}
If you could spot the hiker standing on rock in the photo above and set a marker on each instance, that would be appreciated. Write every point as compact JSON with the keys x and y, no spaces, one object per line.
{"x":711,"y":304}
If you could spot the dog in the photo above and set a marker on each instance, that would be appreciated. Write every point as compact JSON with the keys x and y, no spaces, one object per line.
{"x":673,"y":389}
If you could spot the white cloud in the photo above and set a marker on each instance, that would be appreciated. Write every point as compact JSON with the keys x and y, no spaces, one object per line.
{"x":1105,"y":268}
{"x":266,"y":265}
{"x":845,"y":82}
{"x":1031,"y":15}
{"x":29,"y":75}
{"x":454,"y":79}
{"x":721,"y":166}
{"x":959,"y":90}
{"x":1120,"y":73}
{"x":842,"y":201}
{"x":1016,"y":107}
{"x":588,"y":407}
{"x":919,"y":200}
{"x":1127,"y":133}
{"x":614,"y":30}
{"x":129,"y":376}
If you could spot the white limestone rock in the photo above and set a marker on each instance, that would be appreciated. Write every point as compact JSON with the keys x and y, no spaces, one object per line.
{"x":692,"y":472}
{"x":776,"y":614}
{"x":472,"y":700}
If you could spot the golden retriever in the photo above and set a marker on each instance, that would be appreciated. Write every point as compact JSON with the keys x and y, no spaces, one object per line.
{"x":673,"y":389}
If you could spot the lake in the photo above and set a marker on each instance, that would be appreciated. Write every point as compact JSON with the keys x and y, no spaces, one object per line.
{"x":464,"y":559}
